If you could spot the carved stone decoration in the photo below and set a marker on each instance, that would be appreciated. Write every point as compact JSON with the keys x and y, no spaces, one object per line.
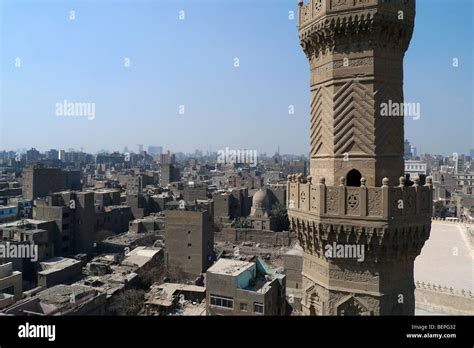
{"x":321,"y":123}
{"x":332,"y":200}
{"x":350,"y":306}
{"x":306,"y":13}
{"x":303,"y":197}
{"x":315,"y":198}
{"x":351,"y":106}
{"x":410,"y":200}
{"x":352,"y":202}
{"x":318,"y":5}
{"x":338,"y":3}
{"x":375,"y":202}
{"x":313,"y":301}
{"x":397,"y":202}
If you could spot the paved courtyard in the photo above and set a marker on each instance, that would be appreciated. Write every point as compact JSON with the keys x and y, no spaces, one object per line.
{"x":446,"y":259}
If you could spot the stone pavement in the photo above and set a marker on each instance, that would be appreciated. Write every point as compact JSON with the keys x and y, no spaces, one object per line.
{"x":446,"y":259}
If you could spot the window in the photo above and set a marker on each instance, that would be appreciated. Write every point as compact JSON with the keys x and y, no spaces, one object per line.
{"x":10,"y":290}
{"x":222,"y":301}
{"x":258,"y":307}
{"x":353,"y":178}
{"x":189,"y":244}
{"x":243,"y":307}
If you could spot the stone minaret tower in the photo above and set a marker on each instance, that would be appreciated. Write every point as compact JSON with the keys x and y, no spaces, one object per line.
{"x":356,"y":200}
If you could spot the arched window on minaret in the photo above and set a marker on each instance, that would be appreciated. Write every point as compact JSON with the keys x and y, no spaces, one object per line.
{"x":353,"y":178}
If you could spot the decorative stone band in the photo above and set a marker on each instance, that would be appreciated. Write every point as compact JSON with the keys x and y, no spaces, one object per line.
{"x":322,"y":22}
{"x":392,"y":222}
{"x":445,"y":289}
{"x":444,"y":220}
{"x":317,"y":9}
{"x":379,"y":202}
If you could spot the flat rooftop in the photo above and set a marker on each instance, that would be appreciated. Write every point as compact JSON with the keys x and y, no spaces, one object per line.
{"x":56,"y":264}
{"x":172,"y":287}
{"x":230,"y":267}
{"x":128,"y":237}
{"x":141,"y":255}
{"x":104,"y":190}
{"x":22,"y":222}
{"x":61,"y":294}
{"x":148,"y":218}
{"x":164,"y":294}
{"x":112,"y":207}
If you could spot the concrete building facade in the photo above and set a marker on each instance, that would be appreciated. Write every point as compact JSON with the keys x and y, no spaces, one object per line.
{"x":10,"y":281}
{"x":236,"y":287}
{"x":39,"y":181}
{"x":189,"y":241}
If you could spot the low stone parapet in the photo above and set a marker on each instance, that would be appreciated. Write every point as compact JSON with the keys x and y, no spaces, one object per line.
{"x":441,"y":299}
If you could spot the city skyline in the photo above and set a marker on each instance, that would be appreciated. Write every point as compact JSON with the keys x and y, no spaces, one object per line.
{"x":83,"y":60}
{"x":183,"y":158}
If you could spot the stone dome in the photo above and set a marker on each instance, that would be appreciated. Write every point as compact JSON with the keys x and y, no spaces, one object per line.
{"x":260,"y":199}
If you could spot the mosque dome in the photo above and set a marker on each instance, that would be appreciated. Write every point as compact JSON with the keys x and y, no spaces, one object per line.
{"x":260,"y":199}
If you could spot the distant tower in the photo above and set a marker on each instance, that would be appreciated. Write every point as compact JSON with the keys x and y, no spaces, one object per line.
{"x":355,"y":50}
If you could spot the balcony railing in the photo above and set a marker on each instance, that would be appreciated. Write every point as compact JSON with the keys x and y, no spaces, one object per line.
{"x":379,"y":202}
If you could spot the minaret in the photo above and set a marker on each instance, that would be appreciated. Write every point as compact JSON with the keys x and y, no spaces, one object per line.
{"x":356,"y":199}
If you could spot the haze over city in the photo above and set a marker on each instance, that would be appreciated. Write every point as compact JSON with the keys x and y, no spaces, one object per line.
{"x":188,"y":59}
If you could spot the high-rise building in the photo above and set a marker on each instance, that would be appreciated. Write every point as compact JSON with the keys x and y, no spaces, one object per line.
{"x":358,"y":223}
{"x":407,"y":150}
{"x":32,"y":155}
{"x":167,"y":158}
{"x":459,"y":164}
{"x":53,"y":154}
{"x":168,"y":174}
{"x":155,"y":150}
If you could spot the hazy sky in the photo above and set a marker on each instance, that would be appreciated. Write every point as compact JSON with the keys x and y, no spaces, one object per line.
{"x":190,"y":62}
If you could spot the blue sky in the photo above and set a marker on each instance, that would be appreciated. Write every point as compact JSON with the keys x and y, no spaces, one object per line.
{"x":191,"y":62}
